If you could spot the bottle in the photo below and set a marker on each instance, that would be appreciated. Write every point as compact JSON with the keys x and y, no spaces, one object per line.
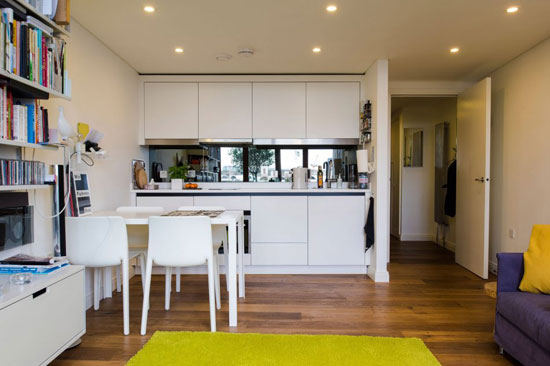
{"x":339,"y":181}
{"x":320,"y":177}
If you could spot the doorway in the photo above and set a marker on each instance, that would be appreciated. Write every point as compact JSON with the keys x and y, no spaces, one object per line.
{"x":423,"y":146}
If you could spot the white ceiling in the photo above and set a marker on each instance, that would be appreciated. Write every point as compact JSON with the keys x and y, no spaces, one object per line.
{"x":415,"y":35}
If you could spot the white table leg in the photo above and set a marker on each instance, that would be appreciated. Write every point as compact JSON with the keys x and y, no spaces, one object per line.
{"x":241,"y":256}
{"x":107,"y":282}
{"x":232,"y":241}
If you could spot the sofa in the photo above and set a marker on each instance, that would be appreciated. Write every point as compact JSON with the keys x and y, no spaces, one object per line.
{"x":522,"y":323}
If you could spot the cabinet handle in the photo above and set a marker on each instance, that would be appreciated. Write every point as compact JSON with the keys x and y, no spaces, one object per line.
{"x":39,"y":292}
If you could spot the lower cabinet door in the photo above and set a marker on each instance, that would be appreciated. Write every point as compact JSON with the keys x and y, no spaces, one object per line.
{"x":336,"y":230}
{"x":168,"y":202}
{"x":36,"y":327}
{"x":279,"y":254}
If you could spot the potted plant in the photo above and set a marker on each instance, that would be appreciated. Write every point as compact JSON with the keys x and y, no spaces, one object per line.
{"x":177,"y":175}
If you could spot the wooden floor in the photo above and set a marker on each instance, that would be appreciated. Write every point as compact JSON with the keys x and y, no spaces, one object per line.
{"x":429,"y":297}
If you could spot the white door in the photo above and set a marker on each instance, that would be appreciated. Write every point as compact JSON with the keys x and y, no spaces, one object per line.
{"x":473,"y":173}
{"x":332,"y":110}
{"x":171,"y":110}
{"x":225,"y":110}
{"x":279,"y":110}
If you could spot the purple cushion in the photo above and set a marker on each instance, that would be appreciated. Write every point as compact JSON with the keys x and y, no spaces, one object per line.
{"x":529,"y":312}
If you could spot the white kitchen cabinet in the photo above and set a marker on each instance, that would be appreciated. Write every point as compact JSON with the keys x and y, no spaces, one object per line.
{"x":333,"y":110}
{"x":171,"y":110}
{"x":279,"y":219}
{"x":279,"y":254}
{"x":336,"y":234}
{"x":225,"y":110}
{"x":167,"y":202}
{"x":228,"y":202}
{"x":279,"y":110}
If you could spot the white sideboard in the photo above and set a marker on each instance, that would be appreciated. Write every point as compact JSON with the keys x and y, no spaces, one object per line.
{"x":40,"y":320}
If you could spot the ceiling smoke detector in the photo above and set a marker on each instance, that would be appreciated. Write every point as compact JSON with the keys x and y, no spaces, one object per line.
{"x":246,"y":52}
{"x":223,"y":57}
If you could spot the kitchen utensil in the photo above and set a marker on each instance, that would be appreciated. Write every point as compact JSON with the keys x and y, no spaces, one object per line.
{"x":299,"y":178}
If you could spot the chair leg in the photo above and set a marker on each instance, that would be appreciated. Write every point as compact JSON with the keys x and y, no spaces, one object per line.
{"x":97,"y":272}
{"x":226,"y":257}
{"x":211,"y":296}
{"x":217,"y":281}
{"x":117,"y":278}
{"x":126,"y":296}
{"x":178,"y":279}
{"x":167,"y":288}
{"x":142,"y":262}
{"x":146,"y":292}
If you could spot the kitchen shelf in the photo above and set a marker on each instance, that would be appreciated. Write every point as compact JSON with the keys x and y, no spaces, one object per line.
{"x":19,"y":187}
{"x":32,"y":11}
{"x":27,"y":144}
{"x":33,"y":84}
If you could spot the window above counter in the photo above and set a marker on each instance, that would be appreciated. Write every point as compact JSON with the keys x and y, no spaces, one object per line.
{"x":261,"y":164}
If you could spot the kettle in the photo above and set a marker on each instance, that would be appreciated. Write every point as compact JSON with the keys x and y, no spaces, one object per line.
{"x":299,"y":178}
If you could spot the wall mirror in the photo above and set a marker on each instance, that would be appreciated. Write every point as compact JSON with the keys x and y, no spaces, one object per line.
{"x":413,"y":147}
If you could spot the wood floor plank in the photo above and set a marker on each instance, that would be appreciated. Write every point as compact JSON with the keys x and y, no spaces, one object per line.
{"x":429,"y":297}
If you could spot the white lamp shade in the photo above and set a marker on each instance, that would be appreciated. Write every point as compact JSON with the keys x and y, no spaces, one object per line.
{"x":362,"y":161}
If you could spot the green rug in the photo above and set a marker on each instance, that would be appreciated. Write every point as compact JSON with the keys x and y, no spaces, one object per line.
{"x":204,"y":348}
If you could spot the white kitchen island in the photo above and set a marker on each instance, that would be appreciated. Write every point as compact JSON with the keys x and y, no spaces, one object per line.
{"x":294,"y":231}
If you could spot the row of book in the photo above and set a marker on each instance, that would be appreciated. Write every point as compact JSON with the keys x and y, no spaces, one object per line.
{"x":24,"y":120}
{"x":29,"y":49}
{"x":21,"y":172}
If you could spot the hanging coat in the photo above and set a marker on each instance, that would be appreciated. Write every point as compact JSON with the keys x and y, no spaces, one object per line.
{"x":450,"y":197}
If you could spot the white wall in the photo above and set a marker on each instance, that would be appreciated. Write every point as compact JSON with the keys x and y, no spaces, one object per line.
{"x":417,"y":183}
{"x":375,"y":88}
{"x":520,"y":151}
{"x":104,"y":95}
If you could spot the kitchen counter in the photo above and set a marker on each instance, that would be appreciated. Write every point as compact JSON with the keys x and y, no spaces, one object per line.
{"x":249,"y":191}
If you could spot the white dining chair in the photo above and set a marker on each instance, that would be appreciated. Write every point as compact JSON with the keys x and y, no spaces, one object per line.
{"x":99,"y":242}
{"x":177,"y":241}
{"x":137,"y":239}
{"x":219,"y":237}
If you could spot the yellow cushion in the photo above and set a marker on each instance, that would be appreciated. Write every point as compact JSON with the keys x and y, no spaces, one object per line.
{"x":536,"y":276}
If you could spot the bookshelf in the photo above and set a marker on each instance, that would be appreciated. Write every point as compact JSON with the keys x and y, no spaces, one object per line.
{"x":33,"y":85}
{"x":20,"y":187}
{"x":35,"y":13}
{"x":16,"y":143}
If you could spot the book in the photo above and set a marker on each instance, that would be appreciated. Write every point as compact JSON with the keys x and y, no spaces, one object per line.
{"x":25,"y":259}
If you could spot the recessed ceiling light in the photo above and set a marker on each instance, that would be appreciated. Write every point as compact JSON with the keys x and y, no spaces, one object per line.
{"x":332,"y":8}
{"x":454,"y":50}
{"x":223,"y":57}
{"x":512,"y":9}
{"x":178,"y":50}
{"x":149,"y":9}
{"x":316,"y":49}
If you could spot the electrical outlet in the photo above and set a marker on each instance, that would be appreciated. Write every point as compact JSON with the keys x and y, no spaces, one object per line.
{"x":512,"y":233}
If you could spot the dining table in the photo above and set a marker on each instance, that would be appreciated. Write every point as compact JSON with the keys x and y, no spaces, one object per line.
{"x":233,"y":220}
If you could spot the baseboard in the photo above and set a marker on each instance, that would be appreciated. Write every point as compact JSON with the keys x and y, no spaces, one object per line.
{"x":449,"y":245}
{"x":378,"y":276}
{"x":493,"y":267}
{"x":417,"y":237}
{"x":274,"y":270}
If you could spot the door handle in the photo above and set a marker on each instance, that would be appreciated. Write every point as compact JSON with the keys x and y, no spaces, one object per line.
{"x":480,"y":179}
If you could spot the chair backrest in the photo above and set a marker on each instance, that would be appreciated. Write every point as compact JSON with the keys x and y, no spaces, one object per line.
{"x":179,"y":241}
{"x":201,"y":208}
{"x":96,"y":241}
{"x":139,"y":209}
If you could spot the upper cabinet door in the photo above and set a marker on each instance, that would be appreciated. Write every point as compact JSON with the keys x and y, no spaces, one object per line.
{"x":279,"y":110}
{"x":333,"y":110}
{"x":171,"y":110}
{"x":225,"y":110}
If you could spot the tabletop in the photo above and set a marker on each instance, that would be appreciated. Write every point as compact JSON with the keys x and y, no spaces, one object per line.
{"x":142,"y":218}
